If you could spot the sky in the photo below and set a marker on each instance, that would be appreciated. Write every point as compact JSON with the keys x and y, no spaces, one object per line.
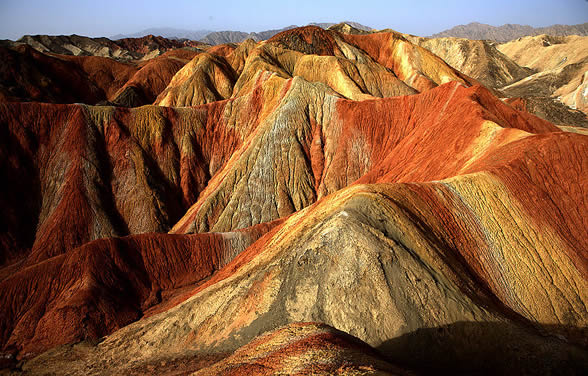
{"x":107,"y":17}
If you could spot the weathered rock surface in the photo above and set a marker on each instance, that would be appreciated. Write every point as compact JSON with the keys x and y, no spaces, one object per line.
{"x":91,"y":172}
{"x":304,"y":349}
{"x":561,"y":64}
{"x":205,"y":79}
{"x":152,"y":78}
{"x":543,"y":71}
{"x":551,"y":110}
{"x":351,"y":180}
{"x":478,"y":59}
{"x":335,"y":142}
{"x":28,"y":75}
{"x":106,"y":284}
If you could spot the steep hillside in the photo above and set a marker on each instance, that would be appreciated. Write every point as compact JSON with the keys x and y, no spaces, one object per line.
{"x":205,"y":79}
{"x":477,"y":58}
{"x":561,"y":64}
{"x":28,"y":75}
{"x":121,"y":171}
{"x":338,"y":61}
{"x":546,"y":72}
{"x":152,"y":78}
{"x":477,"y":154}
{"x":151,"y":45}
{"x":317,"y":203}
{"x":109,"y":283}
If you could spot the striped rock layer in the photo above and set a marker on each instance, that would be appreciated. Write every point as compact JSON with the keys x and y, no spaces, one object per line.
{"x":284,"y":188}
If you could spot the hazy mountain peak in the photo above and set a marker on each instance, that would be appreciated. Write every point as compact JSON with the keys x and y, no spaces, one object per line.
{"x":504,"y":33}
{"x":166,"y":32}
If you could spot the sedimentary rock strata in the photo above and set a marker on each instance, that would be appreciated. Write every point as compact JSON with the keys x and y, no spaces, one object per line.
{"x":323,"y":202}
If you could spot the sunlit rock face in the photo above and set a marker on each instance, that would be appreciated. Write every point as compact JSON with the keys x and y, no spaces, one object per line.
{"x":323,"y":202}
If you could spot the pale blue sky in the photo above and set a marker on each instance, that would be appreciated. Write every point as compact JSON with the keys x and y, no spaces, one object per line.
{"x":107,"y":17}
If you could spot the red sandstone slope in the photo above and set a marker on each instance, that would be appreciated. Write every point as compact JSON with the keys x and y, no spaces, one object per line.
{"x":151,"y":79}
{"x":474,"y":263}
{"x":377,"y":65}
{"x":93,"y":172}
{"x":205,"y":79}
{"x":308,"y":40}
{"x":106,"y":284}
{"x":335,"y":142}
{"x":413,"y":64}
{"x":28,"y":75}
{"x":107,"y":74}
{"x":304,"y":349}
{"x":476,"y":140}
{"x":441,"y":220}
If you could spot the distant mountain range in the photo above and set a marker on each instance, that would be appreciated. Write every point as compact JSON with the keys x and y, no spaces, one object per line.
{"x":220,"y":37}
{"x":228,"y":36}
{"x":505,"y":33}
{"x":166,"y":32}
{"x":122,"y":49}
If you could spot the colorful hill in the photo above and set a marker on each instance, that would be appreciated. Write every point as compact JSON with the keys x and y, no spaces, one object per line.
{"x":321,"y":202}
{"x":561,"y":64}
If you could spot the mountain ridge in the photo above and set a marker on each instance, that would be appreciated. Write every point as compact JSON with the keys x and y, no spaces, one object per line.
{"x":222,"y":37}
{"x":508,"y":32}
{"x":166,"y":32}
{"x":326,"y":201}
{"x":226,"y":36}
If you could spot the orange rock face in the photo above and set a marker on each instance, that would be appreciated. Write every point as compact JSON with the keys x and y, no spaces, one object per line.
{"x":108,"y":283}
{"x":279,"y":199}
{"x":304,"y":349}
{"x":151,"y":79}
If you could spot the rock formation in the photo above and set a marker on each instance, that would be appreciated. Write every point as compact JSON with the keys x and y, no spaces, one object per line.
{"x":28,"y":75}
{"x":561,"y":64}
{"x":318,"y":203}
{"x":152,"y":78}
{"x":477,"y":58}
{"x":304,"y":349}
{"x":127,"y":48}
{"x":224,"y":37}
{"x":546,"y":72}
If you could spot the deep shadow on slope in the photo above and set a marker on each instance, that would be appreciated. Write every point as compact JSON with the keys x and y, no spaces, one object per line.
{"x":491,"y":348}
{"x":463,"y":348}
{"x":550,"y":110}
